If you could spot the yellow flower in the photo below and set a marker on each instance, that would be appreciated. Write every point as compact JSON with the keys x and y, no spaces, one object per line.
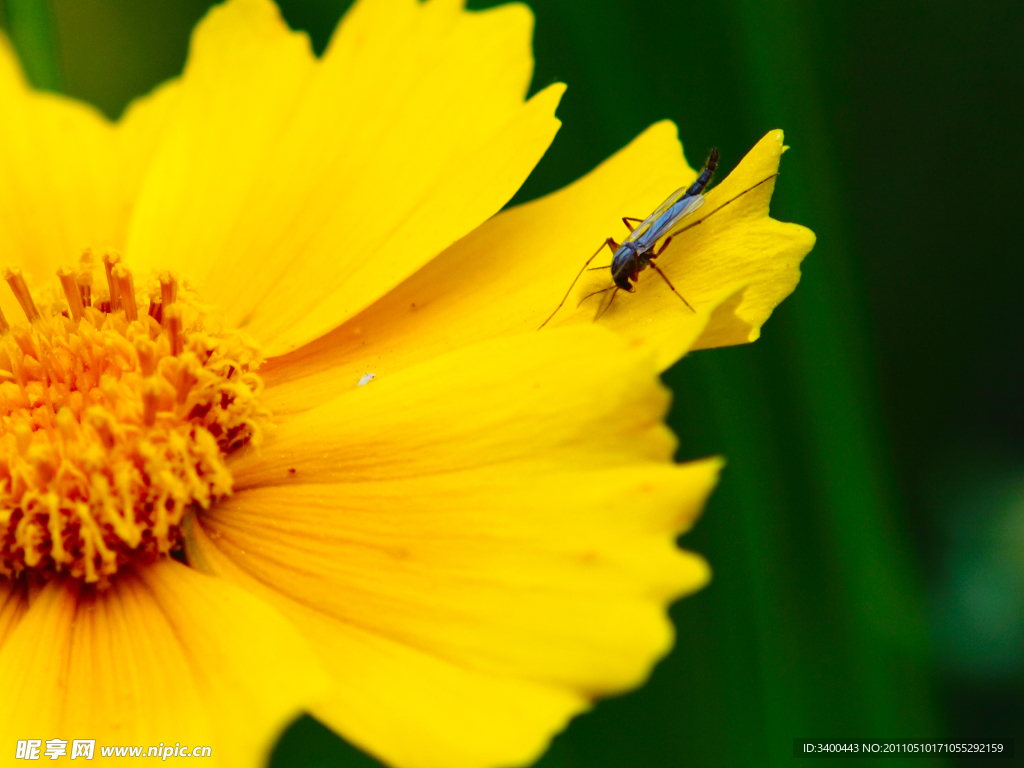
{"x":214,"y":519}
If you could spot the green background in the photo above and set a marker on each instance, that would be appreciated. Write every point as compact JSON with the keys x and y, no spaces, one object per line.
{"x":867,"y":537}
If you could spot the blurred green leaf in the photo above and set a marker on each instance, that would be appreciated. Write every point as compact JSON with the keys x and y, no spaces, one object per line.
{"x":309,"y":744}
{"x":34,"y":35}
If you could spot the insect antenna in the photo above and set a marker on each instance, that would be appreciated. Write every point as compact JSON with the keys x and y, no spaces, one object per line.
{"x":593,"y":294}
{"x":609,"y":243}
{"x":606,"y":307}
{"x":701,"y":220}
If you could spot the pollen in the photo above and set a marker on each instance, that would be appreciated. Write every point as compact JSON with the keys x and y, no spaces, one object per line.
{"x":120,"y":405}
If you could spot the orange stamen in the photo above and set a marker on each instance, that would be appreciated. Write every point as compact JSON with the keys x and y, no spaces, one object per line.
{"x":83,"y":276}
{"x":173,"y":324}
{"x":110,"y":260}
{"x":126,"y":291}
{"x":168,"y":289}
{"x":112,"y":428}
{"x":72,"y":291}
{"x":16,"y":280}
{"x":150,"y":401}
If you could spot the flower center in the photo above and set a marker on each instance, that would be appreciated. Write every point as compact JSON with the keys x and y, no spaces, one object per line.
{"x":118,"y":409}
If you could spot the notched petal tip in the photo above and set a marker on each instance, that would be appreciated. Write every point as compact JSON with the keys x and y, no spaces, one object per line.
{"x":701,"y":570}
{"x":696,"y":479}
{"x":230,"y":28}
{"x":757,"y":254}
{"x":513,"y":588}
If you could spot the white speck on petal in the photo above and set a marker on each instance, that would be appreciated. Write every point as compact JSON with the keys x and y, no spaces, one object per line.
{"x":366,"y":379}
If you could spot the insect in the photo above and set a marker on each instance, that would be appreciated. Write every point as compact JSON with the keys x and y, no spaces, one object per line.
{"x":639,"y":249}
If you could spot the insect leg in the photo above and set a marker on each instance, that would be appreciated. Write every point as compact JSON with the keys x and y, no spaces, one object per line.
{"x":664,"y":245}
{"x":669,"y":283}
{"x":612,"y":245}
{"x":627,"y":219}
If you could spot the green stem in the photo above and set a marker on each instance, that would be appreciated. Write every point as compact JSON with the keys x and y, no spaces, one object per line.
{"x":34,"y":35}
{"x":831,"y":363}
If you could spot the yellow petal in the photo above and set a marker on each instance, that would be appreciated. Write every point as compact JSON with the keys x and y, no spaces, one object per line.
{"x":68,"y":177}
{"x":501,"y":278}
{"x":742,"y":247}
{"x":738,"y":263}
{"x":511,"y":398}
{"x":140,"y":132}
{"x":13,"y":604}
{"x":477,"y":545}
{"x":59,"y":191}
{"x":296,"y":192}
{"x":450,"y":563}
{"x":409,"y":707}
{"x":168,"y":656}
{"x":510,"y":274}
{"x":245,"y":73}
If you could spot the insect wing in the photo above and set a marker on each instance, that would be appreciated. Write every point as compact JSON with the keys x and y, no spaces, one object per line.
{"x":671,"y":200}
{"x":686,"y":209}
{"x":650,"y":221}
{"x":671,"y":217}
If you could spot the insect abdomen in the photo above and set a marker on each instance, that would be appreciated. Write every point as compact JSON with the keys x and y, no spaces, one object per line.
{"x":705,"y":176}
